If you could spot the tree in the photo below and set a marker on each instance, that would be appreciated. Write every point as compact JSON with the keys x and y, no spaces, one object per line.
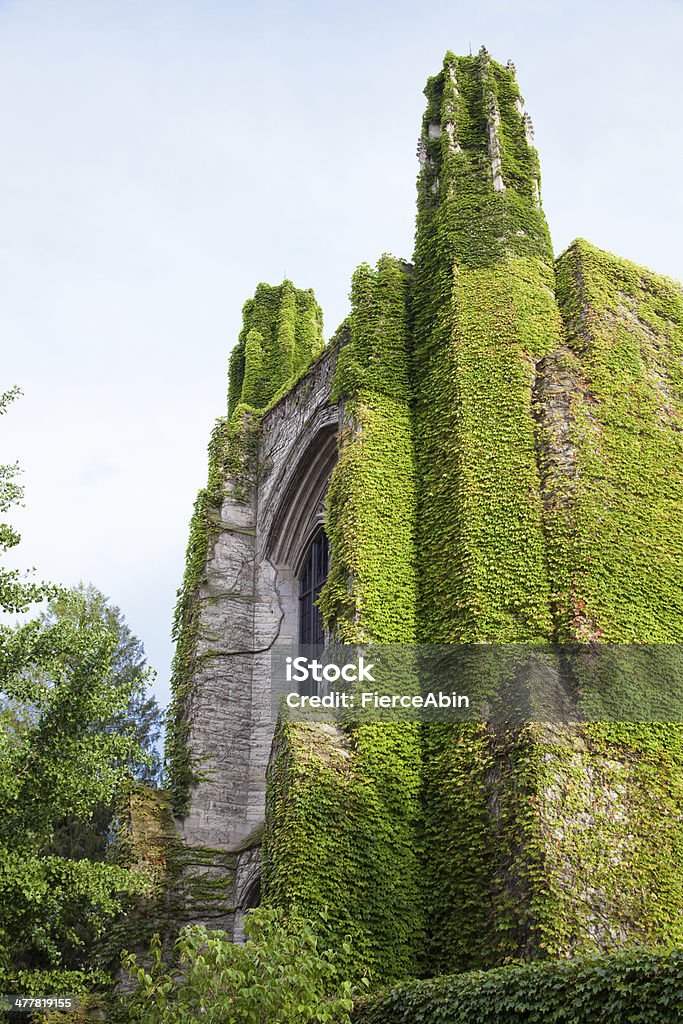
{"x":58,"y":761}
{"x":15,"y":594}
{"x":279,"y":976}
{"x":86,"y":607}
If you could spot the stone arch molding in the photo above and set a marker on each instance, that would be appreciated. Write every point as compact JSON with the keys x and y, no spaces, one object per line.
{"x":247,"y":887}
{"x":291,"y":510}
{"x":301,"y":486}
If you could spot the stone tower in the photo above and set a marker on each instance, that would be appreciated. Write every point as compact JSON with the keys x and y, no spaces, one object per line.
{"x":492,"y":445}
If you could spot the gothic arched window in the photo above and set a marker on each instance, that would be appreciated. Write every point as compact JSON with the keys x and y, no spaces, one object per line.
{"x":311,"y":578}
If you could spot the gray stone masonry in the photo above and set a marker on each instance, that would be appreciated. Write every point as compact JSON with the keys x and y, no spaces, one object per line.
{"x":247,"y":603}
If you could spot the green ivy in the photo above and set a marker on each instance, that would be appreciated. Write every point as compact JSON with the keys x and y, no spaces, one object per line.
{"x":343,"y":805}
{"x":638,"y":986}
{"x":483,"y":313}
{"x":618,"y":579}
{"x":515,"y":545}
{"x":613,"y":514}
{"x":282,"y":332}
{"x":371,"y":501}
{"x":509,"y":472}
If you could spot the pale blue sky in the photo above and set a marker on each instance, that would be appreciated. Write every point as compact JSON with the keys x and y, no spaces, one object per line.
{"x":161,"y":158}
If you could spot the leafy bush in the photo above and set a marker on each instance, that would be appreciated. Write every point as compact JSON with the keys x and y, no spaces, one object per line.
{"x":279,"y":976}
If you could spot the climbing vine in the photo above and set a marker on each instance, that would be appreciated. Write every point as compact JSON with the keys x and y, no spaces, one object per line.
{"x":614,"y":504}
{"x":282,"y":332}
{"x":509,"y":472}
{"x":620,"y":580}
{"x":483,"y":313}
{"x":343,"y":804}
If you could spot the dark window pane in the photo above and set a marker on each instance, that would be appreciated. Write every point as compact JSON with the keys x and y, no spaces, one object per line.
{"x":311,"y":579}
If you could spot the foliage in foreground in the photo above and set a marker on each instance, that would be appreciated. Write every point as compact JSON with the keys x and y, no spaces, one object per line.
{"x":60,"y":764}
{"x":638,"y":986}
{"x":87,"y":608}
{"x":279,"y":976}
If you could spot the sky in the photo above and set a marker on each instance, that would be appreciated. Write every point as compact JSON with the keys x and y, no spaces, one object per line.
{"x":160,"y":158}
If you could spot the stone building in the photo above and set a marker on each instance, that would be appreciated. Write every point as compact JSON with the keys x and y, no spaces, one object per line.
{"x":488,"y":451}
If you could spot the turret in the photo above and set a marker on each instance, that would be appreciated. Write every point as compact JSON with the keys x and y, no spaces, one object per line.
{"x":281,"y":333}
{"x":484,"y":311}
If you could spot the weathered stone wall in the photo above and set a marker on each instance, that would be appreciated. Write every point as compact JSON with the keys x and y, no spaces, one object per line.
{"x":248,"y":601}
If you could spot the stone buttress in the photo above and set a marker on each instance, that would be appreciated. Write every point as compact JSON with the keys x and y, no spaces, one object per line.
{"x":547,"y":437}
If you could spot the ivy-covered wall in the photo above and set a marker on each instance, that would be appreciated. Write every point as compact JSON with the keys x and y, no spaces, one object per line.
{"x":547,"y":446}
{"x":372,"y":498}
{"x":508,"y":473}
{"x":611,"y":453}
{"x":617,"y":526}
{"x":341,"y":828}
{"x":484,"y":313}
